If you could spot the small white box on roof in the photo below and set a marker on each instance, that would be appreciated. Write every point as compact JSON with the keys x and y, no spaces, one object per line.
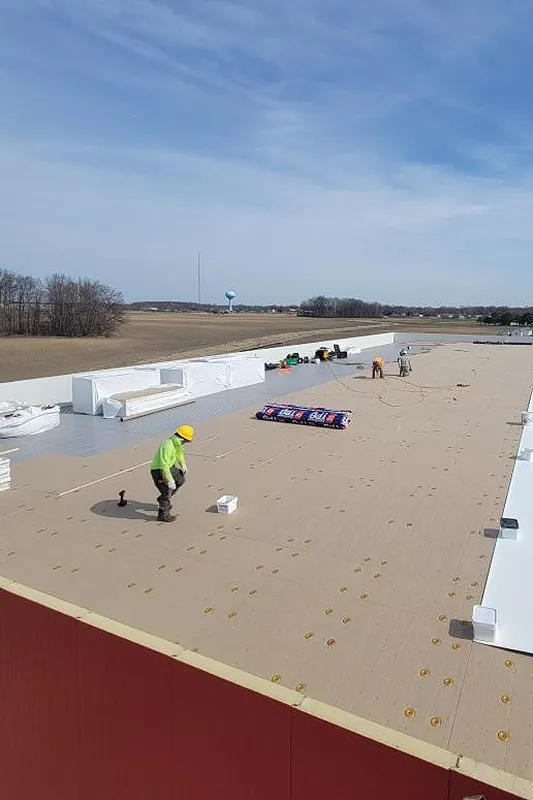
{"x":485,"y":623}
{"x":509,"y":528}
{"x":227,"y":504}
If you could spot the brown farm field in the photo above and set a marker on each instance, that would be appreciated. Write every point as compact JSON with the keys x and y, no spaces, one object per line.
{"x":147,"y":337}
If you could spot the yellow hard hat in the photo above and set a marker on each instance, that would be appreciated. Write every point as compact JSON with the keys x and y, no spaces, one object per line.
{"x":186,"y":432}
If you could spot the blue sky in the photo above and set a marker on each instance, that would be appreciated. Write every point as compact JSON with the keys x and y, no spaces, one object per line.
{"x":376,"y":149}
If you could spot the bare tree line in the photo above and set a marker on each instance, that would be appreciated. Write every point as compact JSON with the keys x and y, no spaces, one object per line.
{"x":322,"y":306}
{"x":57,"y":306}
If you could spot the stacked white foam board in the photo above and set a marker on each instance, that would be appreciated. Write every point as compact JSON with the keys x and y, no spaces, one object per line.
{"x":100,"y":392}
{"x":89,"y":391}
{"x":242,"y":370}
{"x":204,"y":376}
{"x":5,"y":474}
{"x":200,"y":378}
{"x":128,"y":405}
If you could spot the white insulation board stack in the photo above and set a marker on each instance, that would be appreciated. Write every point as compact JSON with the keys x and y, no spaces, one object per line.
{"x":242,"y":370}
{"x":145,"y":401}
{"x":204,"y":376}
{"x":5,"y":474}
{"x":509,"y":587}
{"x":89,"y":391}
{"x":199,"y":376}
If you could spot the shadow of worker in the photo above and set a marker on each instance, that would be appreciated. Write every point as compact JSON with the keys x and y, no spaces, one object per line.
{"x":133,"y":510}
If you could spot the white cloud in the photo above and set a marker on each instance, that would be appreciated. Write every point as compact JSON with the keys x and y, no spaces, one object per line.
{"x":426,"y":235}
{"x":271,"y":138}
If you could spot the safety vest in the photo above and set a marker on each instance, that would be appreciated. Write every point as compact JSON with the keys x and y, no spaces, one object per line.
{"x":169,"y":454}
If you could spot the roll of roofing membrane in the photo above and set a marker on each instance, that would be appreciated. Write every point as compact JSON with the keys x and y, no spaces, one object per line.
{"x":302,"y":415}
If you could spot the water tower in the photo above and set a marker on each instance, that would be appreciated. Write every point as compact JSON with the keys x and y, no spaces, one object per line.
{"x":230,"y":297}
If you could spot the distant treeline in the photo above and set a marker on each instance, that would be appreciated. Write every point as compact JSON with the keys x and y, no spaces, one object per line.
{"x":507,"y":316}
{"x":57,"y":306}
{"x":351,"y":307}
{"x":321,"y":306}
{"x":179,"y":306}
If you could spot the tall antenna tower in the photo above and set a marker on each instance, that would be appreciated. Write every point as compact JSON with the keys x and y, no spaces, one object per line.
{"x":199,"y":279}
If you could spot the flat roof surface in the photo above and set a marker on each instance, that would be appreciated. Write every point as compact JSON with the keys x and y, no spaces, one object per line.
{"x":353,"y":560}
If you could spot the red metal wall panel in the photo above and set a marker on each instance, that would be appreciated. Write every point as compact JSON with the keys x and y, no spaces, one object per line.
{"x":39,"y":744}
{"x":125,"y":719}
{"x":85,"y":715}
{"x":155,"y":728}
{"x":329,"y":762}
{"x":461,"y":786}
{"x":236,"y":743}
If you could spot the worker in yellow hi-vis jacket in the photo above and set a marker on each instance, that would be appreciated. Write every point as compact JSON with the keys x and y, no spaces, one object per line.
{"x":168,"y":469}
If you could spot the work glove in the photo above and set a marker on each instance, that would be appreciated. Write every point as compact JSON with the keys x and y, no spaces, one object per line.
{"x":172,"y":484}
{"x":184,"y":470}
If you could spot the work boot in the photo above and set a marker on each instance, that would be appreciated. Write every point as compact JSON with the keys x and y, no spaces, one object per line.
{"x":169,"y":518}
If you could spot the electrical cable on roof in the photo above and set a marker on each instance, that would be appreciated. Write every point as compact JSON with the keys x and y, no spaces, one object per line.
{"x":366,"y":394}
{"x":417,"y":388}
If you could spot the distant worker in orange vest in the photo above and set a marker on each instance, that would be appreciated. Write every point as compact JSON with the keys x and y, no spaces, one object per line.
{"x":377,"y":367}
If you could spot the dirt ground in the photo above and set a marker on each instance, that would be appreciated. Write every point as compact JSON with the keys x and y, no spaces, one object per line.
{"x":149,"y":337}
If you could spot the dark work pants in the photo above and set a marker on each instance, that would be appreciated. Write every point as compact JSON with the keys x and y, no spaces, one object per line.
{"x":376,"y":370}
{"x":165,"y":494}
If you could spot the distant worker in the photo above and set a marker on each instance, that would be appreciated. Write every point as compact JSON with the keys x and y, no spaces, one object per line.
{"x":377,"y":367}
{"x":404,"y":363}
{"x":168,"y":469}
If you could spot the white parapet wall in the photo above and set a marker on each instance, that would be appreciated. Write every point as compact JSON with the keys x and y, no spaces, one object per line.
{"x":505,"y":617}
{"x":55,"y":389}
{"x":273,"y":354}
{"x":58,"y":388}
